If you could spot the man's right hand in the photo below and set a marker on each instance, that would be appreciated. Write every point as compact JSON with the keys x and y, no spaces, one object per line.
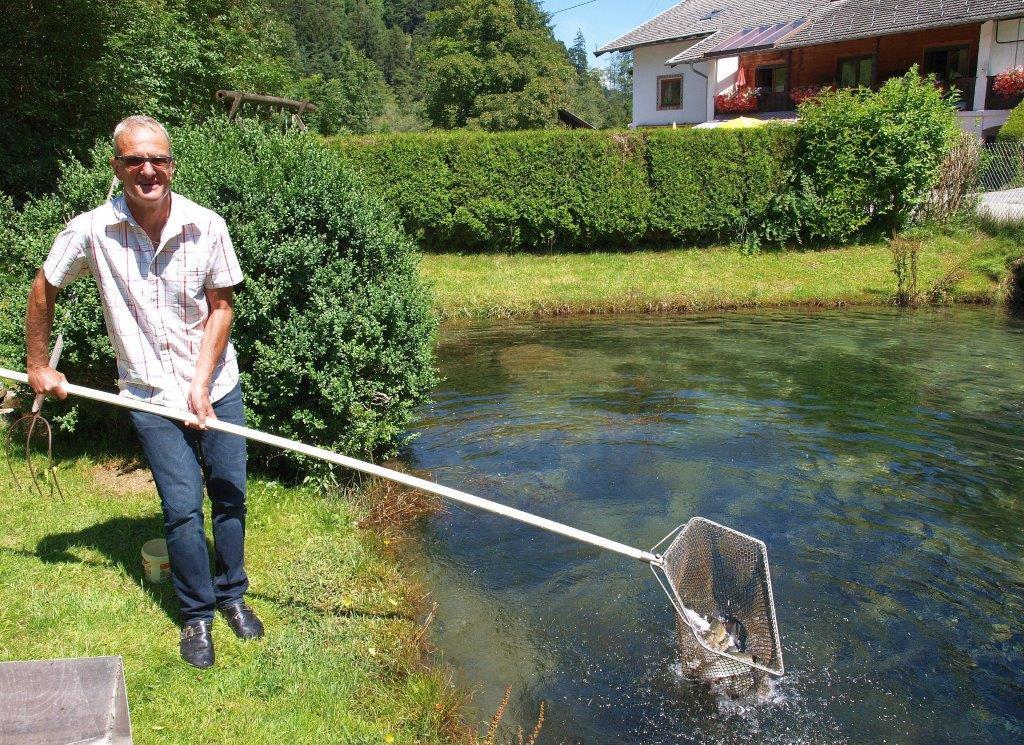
{"x":48,"y":380}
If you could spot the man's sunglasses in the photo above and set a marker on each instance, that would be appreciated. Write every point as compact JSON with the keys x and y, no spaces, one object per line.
{"x":162,"y":162}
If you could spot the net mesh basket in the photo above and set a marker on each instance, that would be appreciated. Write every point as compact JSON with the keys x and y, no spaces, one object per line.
{"x":720,"y":585}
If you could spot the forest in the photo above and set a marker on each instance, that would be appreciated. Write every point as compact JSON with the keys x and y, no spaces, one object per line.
{"x":73,"y":68}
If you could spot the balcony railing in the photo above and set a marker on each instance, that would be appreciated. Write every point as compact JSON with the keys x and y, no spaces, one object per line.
{"x":774,"y":100}
{"x":768,"y":100}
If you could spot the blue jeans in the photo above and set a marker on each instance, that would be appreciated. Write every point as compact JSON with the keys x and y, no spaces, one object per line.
{"x":182,"y":459}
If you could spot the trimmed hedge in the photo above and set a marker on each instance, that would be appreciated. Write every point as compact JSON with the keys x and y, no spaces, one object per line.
{"x":507,"y":191}
{"x":717,"y":184}
{"x":575,"y":189}
{"x":858,"y":163}
{"x":333,"y":328}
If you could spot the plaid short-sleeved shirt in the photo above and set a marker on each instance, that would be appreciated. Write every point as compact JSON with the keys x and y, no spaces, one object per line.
{"x":154,"y":297}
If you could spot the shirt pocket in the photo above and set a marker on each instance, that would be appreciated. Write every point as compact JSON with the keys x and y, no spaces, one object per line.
{"x":185,"y":294}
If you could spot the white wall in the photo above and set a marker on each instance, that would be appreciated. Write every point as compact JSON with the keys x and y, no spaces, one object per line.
{"x":727,"y":69}
{"x":1005,"y":56}
{"x":979,"y":122}
{"x":648,"y":65}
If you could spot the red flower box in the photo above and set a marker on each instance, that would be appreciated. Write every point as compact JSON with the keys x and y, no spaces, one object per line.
{"x":736,"y":102}
{"x":1009,"y":83}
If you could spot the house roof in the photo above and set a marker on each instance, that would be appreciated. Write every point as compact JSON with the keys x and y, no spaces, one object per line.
{"x":825,"y":21}
{"x":857,"y":19}
{"x":705,"y":18}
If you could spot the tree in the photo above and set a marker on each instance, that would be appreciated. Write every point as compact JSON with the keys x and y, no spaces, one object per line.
{"x":578,"y":53}
{"x":495,"y":65}
{"x":349,"y":99}
{"x":73,"y":68}
{"x":408,"y":15}
{"x":618,"y":80}
{"x":348,"y":89}
{"x":319,"y":28}
{"x":366,"y":31}
{"x":588,"y":99}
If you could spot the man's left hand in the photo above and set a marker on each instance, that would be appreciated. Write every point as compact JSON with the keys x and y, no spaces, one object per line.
{"x":199,"y":404}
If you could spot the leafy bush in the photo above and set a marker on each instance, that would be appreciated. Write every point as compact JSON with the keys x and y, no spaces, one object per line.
{"x":333,"y":327}
{"x":1013,"y":129}
{"x":411,"y":172}
{"x":867,"y":160}
{"x":808,"y":92}
{"x":579,"y":190}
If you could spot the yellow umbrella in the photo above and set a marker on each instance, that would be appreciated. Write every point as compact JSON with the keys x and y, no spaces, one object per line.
{"x":743,"y":122}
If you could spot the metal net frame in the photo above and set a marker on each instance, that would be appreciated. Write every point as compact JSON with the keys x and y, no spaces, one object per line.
{"x":719,"y":583}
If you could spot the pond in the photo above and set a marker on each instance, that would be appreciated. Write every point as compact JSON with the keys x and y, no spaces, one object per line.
{"x":878,"y":453}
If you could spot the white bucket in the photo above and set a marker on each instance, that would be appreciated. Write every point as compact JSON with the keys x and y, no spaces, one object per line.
{"x":155,"y":564}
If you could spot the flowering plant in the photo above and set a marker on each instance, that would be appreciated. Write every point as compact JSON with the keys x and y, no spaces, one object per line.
{"x":736,"y":101}
{"x":807,"y":92}
{"x":1009,"y":83}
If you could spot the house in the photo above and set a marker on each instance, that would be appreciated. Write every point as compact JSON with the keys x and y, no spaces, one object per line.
{"x":693,"y":62}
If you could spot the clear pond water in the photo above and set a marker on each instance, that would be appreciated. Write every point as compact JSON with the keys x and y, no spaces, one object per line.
{"x":879,"y":454}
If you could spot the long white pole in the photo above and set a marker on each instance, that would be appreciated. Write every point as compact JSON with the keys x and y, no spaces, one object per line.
{"x":357,"y":465}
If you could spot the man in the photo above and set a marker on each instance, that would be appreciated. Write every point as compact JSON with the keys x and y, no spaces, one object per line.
{"x":166,"y":270}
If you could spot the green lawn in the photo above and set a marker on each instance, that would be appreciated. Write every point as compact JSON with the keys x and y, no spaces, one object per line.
{"x":688,"y":279}
{"x":339,"y":663}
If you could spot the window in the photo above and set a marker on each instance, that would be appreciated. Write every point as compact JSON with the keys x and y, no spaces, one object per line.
{"x":852,"y":72}
{"x":1010,"y":31}
{"x":772,"y":78}
{"x":670,"y":92}
{"x":947,"y":63}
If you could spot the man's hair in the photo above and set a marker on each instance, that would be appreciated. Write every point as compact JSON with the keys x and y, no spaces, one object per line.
{"x":138,"y":121}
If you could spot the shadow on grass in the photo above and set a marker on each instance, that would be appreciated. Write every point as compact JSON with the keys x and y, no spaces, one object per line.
{"x":120,"y":539}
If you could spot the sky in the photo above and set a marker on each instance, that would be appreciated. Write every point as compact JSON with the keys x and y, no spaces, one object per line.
{"x":601,"y":21}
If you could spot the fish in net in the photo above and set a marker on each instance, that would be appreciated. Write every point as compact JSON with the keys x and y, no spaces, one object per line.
{"x":719,"y":582}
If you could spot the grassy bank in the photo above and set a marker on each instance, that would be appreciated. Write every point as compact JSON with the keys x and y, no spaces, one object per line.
{"x":340,"y":662}
{"x":957,"y":266}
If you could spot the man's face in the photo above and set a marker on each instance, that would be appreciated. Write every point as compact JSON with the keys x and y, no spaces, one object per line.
{"x":144,"y":184}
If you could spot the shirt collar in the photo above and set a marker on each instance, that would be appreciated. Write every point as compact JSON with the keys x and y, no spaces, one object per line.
{"x":121,"y":213}
{"x":177,"y":220}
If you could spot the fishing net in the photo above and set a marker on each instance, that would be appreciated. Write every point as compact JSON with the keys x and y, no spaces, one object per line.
{"x":716,"y":578}
{"x":720,"y":585}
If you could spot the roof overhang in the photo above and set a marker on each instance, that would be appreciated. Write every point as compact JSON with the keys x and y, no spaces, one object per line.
{"x":658,"y":42}
{"x":789,"y":43}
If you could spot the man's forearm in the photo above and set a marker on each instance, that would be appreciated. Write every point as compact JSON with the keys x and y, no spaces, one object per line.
{"x":215,"y":340}
{"x":39,"y":322}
